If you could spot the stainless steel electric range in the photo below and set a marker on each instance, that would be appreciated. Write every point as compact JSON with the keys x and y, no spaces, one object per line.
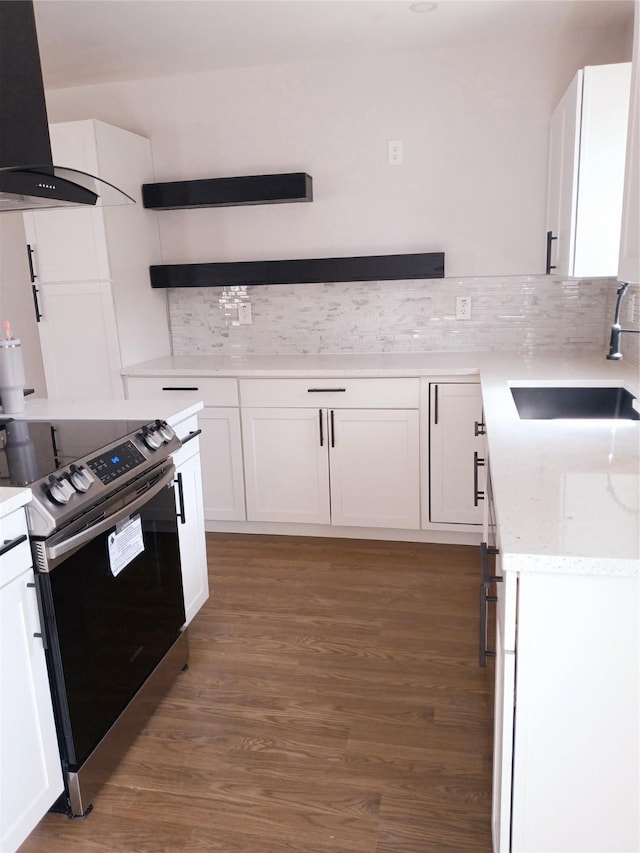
{"x":104,"y":538}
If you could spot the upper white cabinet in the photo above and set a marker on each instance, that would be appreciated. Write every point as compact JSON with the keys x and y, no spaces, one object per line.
{"x":456,"y":454}
{"x":31,"y":774}
{"x":90,"y":269}
{"x":629,"y":269}
{"x":339,"y":451}
{"x":588,"y":140}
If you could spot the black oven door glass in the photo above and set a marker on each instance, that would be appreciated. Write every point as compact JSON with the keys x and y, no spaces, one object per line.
{"x":107,"y":633}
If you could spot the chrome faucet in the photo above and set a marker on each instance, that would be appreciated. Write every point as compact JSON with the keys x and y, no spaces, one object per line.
{"x":616,"y":330}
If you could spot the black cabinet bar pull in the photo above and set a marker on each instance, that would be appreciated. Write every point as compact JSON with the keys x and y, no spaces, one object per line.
{"x":321,"y":428}
{"x":485,"y":600}
{"x":479,"y":428}
{"x":180,"y":388}
{"x":478,"y":462}
{"x":485,"y":552}
{"x":33,"y":277}
{"x":333,"y":431}
{"x":36,"y":304}
{"x":39,"y":634}
{"x":193,"y":434}
{"x":325,"y":390}
{"x":10,"y":544}
{"x":32,"y":273}
{"x":435,"y":404}
{"x":550,"y":239}
{"x":181,"y":513}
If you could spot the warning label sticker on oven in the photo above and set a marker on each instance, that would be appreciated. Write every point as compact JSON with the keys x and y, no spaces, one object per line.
{"x":125,"y":543}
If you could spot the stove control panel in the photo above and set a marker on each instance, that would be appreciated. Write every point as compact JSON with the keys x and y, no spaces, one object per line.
{"x":116,"y":462}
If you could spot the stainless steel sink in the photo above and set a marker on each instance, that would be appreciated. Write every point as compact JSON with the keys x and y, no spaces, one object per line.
{"x":540,"y":403}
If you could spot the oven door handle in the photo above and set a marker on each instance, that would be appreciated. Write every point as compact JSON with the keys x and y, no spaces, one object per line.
{"x":63,"y":548}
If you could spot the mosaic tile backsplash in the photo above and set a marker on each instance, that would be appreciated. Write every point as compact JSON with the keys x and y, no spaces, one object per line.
{"x":525,"y":313}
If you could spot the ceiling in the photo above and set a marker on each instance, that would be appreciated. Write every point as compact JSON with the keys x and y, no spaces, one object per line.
{"x":97,"y":41}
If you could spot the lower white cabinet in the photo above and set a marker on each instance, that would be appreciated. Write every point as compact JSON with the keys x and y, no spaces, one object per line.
{"x":189,"y":506}
{"x":456,"y":454}
{"x":567,"y":751}
{"x":31,"y":775}
{"x":351,"y":467}
{"x":220,"y":441}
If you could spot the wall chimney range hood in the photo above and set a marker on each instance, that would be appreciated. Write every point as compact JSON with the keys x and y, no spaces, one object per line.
{"x":28,"y":178}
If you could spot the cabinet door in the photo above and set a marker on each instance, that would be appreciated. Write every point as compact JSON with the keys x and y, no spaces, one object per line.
{"x":221,"y":456}
{"x":67,"y":245}
{"x":629,"y":266}
{"x":603,"y":140}
{"x":286,"y":465}
{"x":79,"y":341}
{"x":576,"y":753}
{"x":31,"y":775}
{"x":454,"y":469}
{"x":564,"y":154}
{"x":193,"y":549}
{"x":375,"y":468}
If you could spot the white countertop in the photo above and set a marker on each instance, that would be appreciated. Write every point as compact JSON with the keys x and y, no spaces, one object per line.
{"x":12,"y":499}
{"x":567,"y":493}
{"x":171,"y":411}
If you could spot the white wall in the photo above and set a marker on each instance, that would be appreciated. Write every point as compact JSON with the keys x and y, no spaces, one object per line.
{"x":474,"y":122}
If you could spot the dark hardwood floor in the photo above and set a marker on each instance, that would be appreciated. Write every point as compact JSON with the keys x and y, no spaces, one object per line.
{"x":333,"y":703}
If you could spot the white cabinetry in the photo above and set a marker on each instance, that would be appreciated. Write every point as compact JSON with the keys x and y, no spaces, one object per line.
{"x":31,"y":775}
{"x":586,"y":172}
{"x":567,"y":752}
{"x":90,"y":269}
{"x":344,"y":452}
{"x":629,"y":269}
{"x":220,"y":442}
{"x":189,"y":506}
{"x":456,"y":454}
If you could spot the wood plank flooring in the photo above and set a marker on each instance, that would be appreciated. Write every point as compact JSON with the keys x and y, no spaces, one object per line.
{"x":333,"y":704}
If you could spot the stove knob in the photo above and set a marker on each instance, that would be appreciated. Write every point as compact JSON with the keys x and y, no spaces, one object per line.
{"x":59,"y":489}
{"x":150,"y":438}
{"x":165,"y":431}
{"x":80,"y":478}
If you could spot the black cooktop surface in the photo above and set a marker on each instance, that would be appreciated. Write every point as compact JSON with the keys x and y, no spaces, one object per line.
{"x":30,"y":450}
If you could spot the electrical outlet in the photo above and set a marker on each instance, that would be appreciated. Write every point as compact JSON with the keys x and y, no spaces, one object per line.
{"x":463,"y":307}
{"x":244,"y":314}
{"x":394,"y":152}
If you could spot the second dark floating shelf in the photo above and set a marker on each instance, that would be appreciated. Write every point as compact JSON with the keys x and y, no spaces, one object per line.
{"x":306,"y":271}
{"x":229,"y":192}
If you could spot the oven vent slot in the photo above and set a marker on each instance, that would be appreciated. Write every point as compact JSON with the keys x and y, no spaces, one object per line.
{"x":39,"y":554}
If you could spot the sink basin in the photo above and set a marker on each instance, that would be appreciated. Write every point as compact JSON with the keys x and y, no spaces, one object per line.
{"x":539,"y":403}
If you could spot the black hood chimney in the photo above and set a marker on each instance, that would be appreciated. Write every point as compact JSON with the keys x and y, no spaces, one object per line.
{"x":28,"y":178}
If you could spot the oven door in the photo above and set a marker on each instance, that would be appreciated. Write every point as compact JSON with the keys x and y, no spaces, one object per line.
{"x":111,"y":593}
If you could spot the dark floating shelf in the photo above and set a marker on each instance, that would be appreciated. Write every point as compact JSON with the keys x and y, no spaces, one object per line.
{"x":229,"y":192}
{"x":366,"y":268}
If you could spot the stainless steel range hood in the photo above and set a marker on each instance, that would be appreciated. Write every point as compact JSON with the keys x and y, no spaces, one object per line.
{"x":28,"y":178}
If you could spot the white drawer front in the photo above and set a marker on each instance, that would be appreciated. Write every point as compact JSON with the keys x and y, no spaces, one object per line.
{"x":213,"y":391}
{"x":331,"y":393}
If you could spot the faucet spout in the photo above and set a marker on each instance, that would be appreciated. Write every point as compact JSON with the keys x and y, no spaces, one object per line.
{"x":617,"y":331}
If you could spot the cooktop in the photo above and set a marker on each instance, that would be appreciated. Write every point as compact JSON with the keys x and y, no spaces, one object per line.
{"x":31,"y":450}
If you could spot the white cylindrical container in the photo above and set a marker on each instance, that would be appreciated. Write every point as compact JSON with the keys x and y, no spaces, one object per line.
{"x":11,"y":376}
